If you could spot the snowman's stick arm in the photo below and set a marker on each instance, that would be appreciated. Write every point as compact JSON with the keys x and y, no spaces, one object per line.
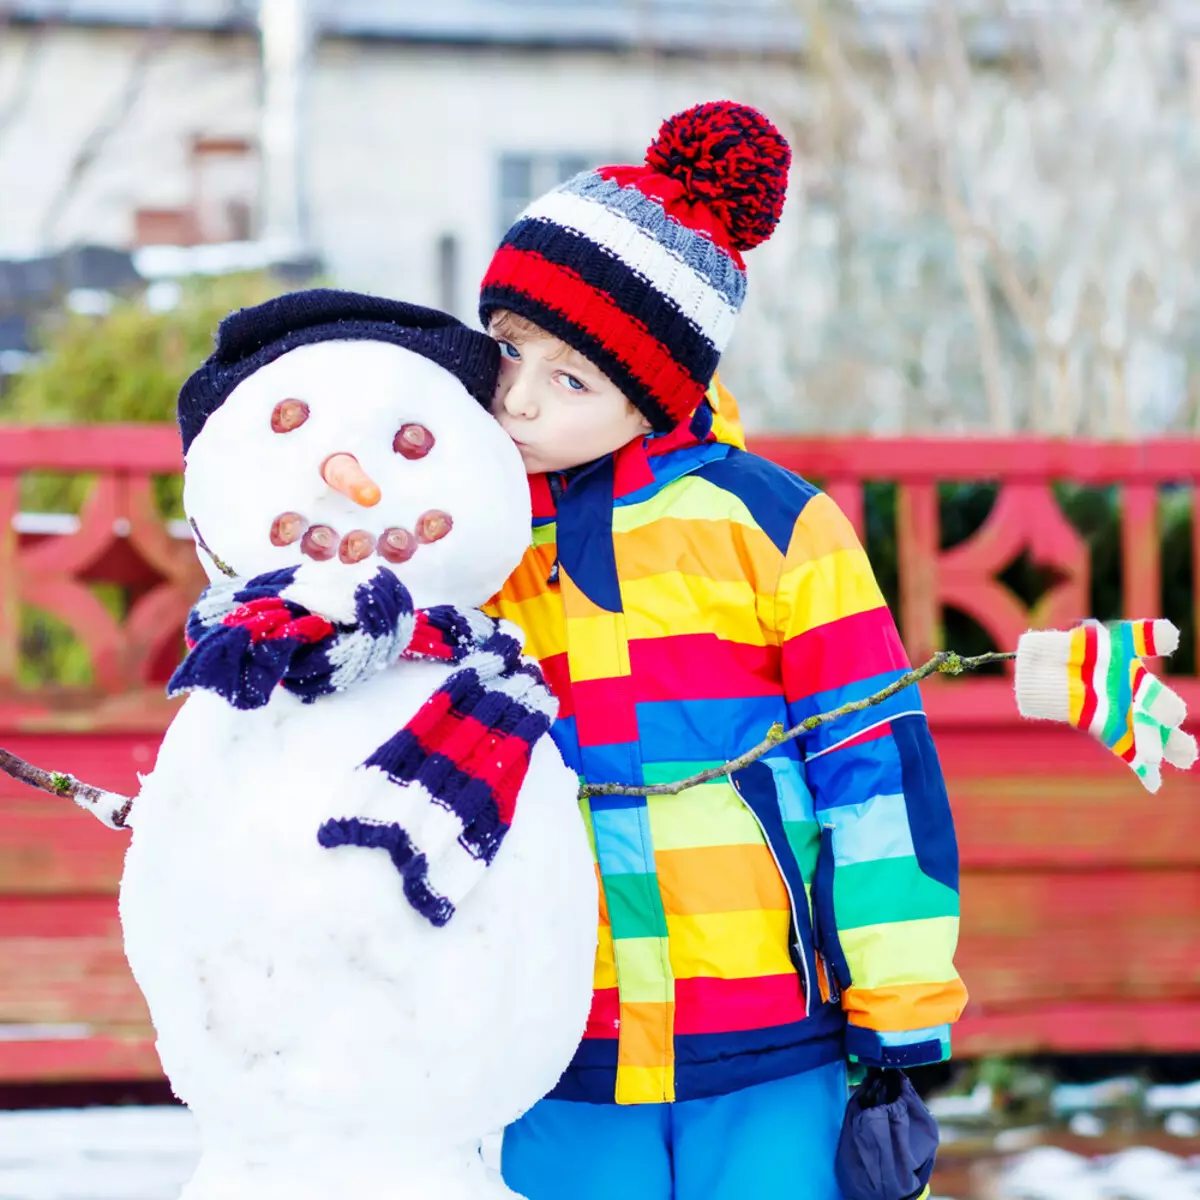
{"x":107,"y":807}
{"x":944,"y":662}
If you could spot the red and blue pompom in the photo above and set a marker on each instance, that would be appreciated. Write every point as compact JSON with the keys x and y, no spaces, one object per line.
{"x":730,"y":158}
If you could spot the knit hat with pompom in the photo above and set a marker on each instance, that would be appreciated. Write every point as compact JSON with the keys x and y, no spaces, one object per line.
{"x":640,"y":269}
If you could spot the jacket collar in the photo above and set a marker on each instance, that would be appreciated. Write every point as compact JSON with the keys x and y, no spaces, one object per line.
{"x":643,"y":467}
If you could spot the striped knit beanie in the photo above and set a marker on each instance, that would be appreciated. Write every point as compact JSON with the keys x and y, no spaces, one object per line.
{"x":639,"y":268}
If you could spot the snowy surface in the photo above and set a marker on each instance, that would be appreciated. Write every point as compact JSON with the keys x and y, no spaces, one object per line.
{"x":148,"y":1153}
{"x":96,"y":1154}
{"x":107,"y":1153}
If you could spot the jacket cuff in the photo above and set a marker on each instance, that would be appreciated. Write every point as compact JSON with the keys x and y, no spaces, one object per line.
{"x":911,"y":1048}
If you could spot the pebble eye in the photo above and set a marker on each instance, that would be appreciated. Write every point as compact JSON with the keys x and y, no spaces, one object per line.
{"x":289,"y":415}
{"x":413,"y":441}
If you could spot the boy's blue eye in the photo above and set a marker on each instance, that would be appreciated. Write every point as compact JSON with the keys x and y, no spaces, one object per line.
{"x":574,"y":384}
{"x":508,"y":349}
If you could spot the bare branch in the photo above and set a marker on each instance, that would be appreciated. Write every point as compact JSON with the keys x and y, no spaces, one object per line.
{"x":107,"y":807}
{"x":113,"y":809}
{"x":148,"y":50}
{"x":945,"y":662}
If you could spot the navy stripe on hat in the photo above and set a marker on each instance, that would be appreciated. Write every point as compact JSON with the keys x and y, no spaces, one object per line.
{"x":566,"y":247}
{"x":565,"y":329}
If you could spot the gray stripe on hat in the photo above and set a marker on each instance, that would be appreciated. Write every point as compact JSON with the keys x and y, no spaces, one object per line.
{"x":697,"y":251}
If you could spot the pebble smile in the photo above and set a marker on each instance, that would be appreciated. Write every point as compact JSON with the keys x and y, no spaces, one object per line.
{"x":395,"y":544}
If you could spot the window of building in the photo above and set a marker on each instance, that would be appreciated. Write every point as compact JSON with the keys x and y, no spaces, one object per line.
{"x":524,"y":177}
{"x":223,"y":203}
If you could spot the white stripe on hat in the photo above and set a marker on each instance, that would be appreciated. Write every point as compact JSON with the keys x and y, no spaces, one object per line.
{"x":695,"y":297}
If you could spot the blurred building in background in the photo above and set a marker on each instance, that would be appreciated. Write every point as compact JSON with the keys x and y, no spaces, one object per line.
{"x":995,"y":212}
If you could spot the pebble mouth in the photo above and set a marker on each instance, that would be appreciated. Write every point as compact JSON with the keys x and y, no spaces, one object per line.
{"x":433,"y":525}
{"x":356,"y":545}
{"x":396,"y":544}
{"x":320,"y":543}
{"x":287,"y":528}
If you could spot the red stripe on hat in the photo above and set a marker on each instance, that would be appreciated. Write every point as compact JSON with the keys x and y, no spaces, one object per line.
{"x":672,"y":195}
{"x":1088,"y":671}
{"x":560,"y":288}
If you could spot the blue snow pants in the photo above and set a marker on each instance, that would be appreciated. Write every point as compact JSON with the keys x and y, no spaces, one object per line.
{"x":774,"y":1141}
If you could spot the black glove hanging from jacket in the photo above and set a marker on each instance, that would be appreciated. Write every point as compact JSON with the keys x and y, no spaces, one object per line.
{"x":889,"y":1140}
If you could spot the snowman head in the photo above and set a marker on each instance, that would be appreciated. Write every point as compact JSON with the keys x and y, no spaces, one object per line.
{"x":347,"y":434}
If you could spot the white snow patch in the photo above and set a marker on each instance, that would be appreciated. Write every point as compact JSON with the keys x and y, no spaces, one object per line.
{"x":126,"y":1153}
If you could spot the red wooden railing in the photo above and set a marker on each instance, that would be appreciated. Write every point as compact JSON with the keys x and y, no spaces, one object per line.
{"x":1081,"y":893}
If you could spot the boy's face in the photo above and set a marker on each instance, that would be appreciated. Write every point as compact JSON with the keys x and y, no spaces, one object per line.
{"x":558,"y":408}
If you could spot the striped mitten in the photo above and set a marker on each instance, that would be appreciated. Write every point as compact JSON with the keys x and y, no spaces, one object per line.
{"x":1092,"y":677}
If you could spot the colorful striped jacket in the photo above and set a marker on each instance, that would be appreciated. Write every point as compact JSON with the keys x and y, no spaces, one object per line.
{"x":683,"y":596}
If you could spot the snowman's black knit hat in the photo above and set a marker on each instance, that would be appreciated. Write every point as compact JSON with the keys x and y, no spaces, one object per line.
{"x":252,"y":337}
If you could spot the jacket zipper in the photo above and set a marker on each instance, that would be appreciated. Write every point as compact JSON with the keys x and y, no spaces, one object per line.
{"x":558,"y":484}
{"x":791,"y":898}
{"x":836,"y":967}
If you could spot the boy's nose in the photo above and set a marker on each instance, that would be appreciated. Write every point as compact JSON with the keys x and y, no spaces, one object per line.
{"x":515,"y":399}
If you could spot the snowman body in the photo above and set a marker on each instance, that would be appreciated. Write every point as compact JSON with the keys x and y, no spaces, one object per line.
{"x":330,"y":1040}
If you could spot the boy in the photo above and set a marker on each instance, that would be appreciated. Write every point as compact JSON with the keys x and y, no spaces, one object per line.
{"x":683,"y":596}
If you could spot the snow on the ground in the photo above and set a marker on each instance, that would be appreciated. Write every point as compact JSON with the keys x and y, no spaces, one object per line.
{"x":96,"y":1153}
{"x":118,"y":1153}
{"x":132,"y":1153}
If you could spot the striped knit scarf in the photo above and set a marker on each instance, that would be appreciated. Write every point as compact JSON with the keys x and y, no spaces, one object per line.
{"x":465,"y":752}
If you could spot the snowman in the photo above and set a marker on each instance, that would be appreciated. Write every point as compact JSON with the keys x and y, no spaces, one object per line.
{"x":359,"y":897}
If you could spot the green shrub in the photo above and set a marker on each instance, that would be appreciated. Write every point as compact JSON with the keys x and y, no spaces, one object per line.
{"x":126,"y":366}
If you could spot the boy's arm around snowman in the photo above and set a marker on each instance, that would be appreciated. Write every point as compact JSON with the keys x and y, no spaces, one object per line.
{"x":885,"y":892}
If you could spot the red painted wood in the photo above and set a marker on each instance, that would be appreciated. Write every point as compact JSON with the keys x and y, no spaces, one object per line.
{"x":110,"y":761}
{"x":1144,"y":1026}
{"x":65,"y":964}
{"x":105,"y":1056}
{"x":1083,"y":935}
{"x":138,"y":449}
{"x":1081,"y":893}
{"x":1175,"y":460}
{"x":1140,"y":556}
{"x":51,"y":847}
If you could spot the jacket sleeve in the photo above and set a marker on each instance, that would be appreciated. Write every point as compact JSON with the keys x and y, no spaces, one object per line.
{"x":885,"y":890}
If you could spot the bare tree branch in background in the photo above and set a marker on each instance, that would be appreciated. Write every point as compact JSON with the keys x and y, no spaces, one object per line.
{"x":149,"y":48}
{"x":1000,"y":226}
{"x":26,"y":70}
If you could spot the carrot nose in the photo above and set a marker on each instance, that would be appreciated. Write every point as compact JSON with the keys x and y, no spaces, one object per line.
{"x":343,"y":474}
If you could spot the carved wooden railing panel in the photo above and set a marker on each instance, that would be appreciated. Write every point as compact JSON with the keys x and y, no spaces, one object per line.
{"x":1025,"y":519}
{"x":1081,"y":894}
{"x":117,"y":537}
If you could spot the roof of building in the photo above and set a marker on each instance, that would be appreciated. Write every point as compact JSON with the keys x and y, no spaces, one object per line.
{"x":682,"y":24}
